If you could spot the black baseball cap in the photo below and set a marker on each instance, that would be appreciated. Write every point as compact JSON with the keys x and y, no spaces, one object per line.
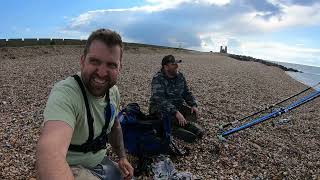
{"x":170,"y":59}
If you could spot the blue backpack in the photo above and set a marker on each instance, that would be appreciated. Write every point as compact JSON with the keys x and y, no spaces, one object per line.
{"x":145,"y":135}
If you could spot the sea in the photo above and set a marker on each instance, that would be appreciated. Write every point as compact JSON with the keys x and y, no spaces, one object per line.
{"x":309,"y":75}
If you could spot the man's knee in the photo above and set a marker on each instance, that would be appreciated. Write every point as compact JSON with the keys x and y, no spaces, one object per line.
{"x":196,"y":129}
{"x":107,"y":170}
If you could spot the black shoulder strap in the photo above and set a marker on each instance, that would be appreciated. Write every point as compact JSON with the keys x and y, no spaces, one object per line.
{"x":89,"y":117}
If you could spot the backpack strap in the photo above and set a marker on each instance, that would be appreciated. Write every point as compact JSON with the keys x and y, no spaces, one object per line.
{"x":93,"y":145}
{"x":89,"y":117}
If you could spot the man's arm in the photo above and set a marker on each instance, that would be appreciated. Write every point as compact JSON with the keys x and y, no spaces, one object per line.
{"x":116,"y":141}
{"x":187,"y":94}
{"x":51,"y":152}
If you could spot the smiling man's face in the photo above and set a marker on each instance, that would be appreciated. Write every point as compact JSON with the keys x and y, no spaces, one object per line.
{"x":100,"y":67}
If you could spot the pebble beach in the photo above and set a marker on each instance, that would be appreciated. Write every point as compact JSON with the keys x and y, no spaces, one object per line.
{"x":226,"y":89}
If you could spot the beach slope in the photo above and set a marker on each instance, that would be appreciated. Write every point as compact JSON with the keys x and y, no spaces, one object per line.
{"x":226,"y":89}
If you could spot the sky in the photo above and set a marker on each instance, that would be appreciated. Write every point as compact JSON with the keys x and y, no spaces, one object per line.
{"x":276,"y":30}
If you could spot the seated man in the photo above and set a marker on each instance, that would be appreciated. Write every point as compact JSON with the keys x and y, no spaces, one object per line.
{"x":81,"y":117}
{"x":169,"y":93}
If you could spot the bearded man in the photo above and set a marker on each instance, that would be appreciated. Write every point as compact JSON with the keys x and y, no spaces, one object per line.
{"x":80,"y":118}
{"x":170,"y":95}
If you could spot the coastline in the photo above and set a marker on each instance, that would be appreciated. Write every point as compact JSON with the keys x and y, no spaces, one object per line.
{"x":298,"y":72}
{"x":268,"y":63}
{"x":308,"y":79}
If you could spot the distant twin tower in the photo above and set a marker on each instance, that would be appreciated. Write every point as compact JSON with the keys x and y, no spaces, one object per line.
{"x":225,"y":50}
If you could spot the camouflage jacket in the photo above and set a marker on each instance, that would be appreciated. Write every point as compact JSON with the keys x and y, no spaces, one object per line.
{"x":169,"y":94}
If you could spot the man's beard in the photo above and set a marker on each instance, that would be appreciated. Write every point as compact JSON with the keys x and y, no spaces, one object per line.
{"x":173,"y":73}
{"x":95,"y":89}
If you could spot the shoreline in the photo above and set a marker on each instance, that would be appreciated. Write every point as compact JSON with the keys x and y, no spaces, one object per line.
{"x":268,"y":63}
{"x":305,"y":79}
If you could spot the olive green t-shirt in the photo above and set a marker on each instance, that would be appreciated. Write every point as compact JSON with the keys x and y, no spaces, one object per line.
{"x":66,"y":104}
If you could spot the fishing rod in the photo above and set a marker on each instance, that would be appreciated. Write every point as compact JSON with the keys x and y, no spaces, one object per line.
{"x":267,"y":108}
{"x":276,"y":113}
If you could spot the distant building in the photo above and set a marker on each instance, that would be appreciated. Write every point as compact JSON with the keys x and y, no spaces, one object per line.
{"x":223,"y":50}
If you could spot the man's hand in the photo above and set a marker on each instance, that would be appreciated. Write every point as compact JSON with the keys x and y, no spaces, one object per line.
{"x":182,"y":121}
{"x":126,"y":168}
{"x":194,"y":109}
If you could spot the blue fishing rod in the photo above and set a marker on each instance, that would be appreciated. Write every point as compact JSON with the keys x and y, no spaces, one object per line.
{"x":221,"y":127}
{"x":273,"y":114}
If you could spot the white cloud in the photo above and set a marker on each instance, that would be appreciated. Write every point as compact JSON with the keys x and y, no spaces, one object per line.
{"x":177,"y":2}
{"x":276,"y":51}
{"x":155,"y":6}
{"x":83,"y":19}
{"x":275,"y":2}
{"x":213,"y":41}
{"x":214,"y":2}
{"x":293,"y":15}
{"x":205,"y":25}
{"x":71,"y":34}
